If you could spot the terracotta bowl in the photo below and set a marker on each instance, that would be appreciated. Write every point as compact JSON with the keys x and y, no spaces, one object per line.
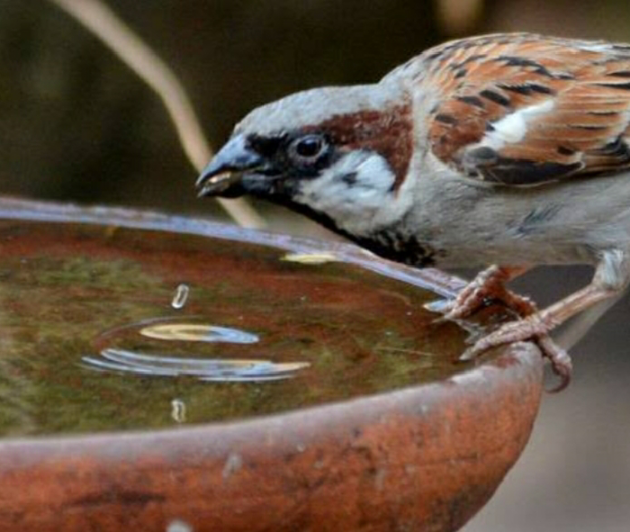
{"x":421,"y":458}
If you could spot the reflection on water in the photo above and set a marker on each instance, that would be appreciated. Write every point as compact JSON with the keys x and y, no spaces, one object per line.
{"x":205,"y":369}
{"x":310,"y":258}
{"x":216,"y":370}
{"x":197,"y":332}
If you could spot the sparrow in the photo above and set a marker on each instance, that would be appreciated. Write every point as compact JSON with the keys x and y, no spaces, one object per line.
{"x":503,"y":152}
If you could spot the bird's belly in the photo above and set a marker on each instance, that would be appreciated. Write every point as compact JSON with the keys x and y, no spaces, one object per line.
{"x":570,"y":222}
{"x":515,"y":254}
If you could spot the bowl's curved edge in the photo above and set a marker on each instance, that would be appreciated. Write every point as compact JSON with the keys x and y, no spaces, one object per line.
{"x":19,"y":209}
{"x":424,"y":458}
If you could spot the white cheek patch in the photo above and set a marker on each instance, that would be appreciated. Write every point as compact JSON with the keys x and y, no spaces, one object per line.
{"x":513,"y":127}
{"x":356,"y":192}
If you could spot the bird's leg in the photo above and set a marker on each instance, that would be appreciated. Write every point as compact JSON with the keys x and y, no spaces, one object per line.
{"x":611,"y":278}
{"x":490,"y":284}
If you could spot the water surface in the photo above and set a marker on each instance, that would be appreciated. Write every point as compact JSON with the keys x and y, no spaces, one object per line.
{"x":105,"y":327}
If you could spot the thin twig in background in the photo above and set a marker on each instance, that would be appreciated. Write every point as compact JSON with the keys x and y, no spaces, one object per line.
{"x":113,"y":32}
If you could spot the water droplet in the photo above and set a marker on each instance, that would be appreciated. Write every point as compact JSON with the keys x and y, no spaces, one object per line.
{"x":180,"y":297}
{"x":178,"y":410}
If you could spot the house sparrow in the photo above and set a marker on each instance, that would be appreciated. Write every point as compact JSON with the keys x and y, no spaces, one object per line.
{"x":508,"y":150}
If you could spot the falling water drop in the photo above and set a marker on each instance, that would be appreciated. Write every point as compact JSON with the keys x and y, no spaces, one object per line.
{"x":178,"y":410}
{"x":180,"y":297}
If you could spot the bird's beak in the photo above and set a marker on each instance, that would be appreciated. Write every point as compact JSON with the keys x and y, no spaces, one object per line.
{"x":223,"y":175}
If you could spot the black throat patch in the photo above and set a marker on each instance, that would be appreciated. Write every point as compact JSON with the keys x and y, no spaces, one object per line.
{"x":399,"y":248}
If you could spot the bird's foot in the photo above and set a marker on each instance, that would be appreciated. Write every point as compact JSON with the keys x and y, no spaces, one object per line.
{"x":534,"y":327}
{"x":487,"y":286}
{"x":560,"y":360}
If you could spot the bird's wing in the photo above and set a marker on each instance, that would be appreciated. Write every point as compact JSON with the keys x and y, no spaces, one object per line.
{"x":525,"y":110}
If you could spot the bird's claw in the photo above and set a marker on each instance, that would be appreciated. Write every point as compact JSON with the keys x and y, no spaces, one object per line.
{"x":560,"y":362}
{"x":487,"y":287}
{"x":531,"y":328}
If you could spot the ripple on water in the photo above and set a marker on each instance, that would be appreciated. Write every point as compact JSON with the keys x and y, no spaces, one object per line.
{"x":162,"y":364}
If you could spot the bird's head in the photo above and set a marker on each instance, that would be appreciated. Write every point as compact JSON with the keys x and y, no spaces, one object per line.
{"x":340,"y":154}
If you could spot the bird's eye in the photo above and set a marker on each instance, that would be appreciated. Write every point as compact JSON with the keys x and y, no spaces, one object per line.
{"x":308,"y":148}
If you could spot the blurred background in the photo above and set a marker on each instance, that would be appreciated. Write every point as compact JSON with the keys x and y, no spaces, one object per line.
{"x":76,"y":125}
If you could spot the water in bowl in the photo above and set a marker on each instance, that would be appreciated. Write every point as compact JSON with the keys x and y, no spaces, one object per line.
{"x":109,"y":328}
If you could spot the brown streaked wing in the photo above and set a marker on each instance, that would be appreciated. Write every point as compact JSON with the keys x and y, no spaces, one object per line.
{"x":583,"y":131}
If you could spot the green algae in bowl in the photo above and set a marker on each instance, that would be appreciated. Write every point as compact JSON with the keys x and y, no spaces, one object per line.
{"x":116,"y":319}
